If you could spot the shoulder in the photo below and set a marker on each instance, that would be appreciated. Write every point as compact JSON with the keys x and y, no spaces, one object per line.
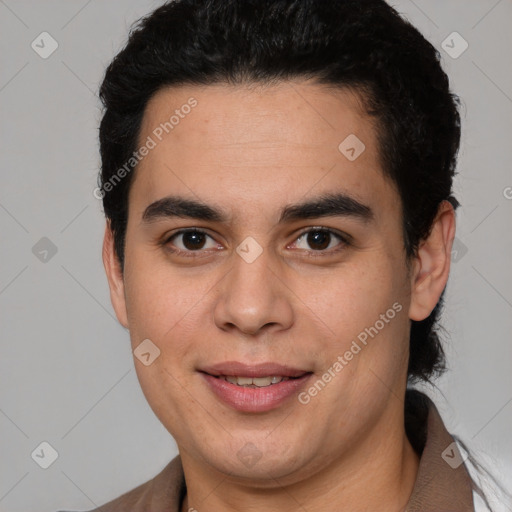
{"x":164,"y":491}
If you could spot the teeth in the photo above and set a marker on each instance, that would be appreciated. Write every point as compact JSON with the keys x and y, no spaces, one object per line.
{"x":259,"y":382}
{"x":262,"y":381}
{"x":244,"y":381}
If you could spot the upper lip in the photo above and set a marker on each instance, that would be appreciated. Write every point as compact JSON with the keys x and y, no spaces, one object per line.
{"x":238,"y":369}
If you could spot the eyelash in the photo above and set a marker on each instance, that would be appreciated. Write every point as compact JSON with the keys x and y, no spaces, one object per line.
{"x":344,"y":239}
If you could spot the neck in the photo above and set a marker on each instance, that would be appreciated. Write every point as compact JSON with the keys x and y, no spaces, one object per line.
{"x":376,"y":474}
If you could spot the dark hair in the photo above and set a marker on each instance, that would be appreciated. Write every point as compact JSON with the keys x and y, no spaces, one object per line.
{"x":363,"y":45}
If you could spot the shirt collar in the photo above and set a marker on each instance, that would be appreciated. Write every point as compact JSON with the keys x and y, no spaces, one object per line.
{"x":443,"y":482}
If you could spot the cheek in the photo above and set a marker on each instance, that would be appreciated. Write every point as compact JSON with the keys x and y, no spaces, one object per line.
{"x":365,"y":308}
{"x":353,"y":298}
{"x":168,"y":308}
{"x":157,"y":299}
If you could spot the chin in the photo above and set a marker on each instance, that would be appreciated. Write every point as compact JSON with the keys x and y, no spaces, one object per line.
{"x":260,"y":465}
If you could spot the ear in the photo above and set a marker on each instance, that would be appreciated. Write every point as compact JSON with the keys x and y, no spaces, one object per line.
{"x":114,"y":276}
{"x":432,"y":264}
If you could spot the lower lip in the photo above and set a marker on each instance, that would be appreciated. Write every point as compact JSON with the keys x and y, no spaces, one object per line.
{"x":255,"y":399}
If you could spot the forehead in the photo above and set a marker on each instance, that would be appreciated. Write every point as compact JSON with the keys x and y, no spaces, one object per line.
{"x":259,"y":143}
{"x":247,"y":116}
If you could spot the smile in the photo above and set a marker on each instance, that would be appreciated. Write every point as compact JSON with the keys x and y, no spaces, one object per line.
{"x":253,"y":382}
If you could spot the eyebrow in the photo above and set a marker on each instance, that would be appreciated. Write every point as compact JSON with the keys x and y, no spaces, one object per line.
{"x":325,"y":205}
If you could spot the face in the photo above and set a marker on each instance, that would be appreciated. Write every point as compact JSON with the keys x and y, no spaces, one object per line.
{"x":266,"y":278}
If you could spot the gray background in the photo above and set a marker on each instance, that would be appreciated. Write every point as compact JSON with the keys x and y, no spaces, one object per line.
{"x":66,"y":368}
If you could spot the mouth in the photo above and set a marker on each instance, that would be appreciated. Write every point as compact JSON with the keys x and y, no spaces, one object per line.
{"x":256,"y":387}
{"x":255,"y":371}
{"x":254,"y":382}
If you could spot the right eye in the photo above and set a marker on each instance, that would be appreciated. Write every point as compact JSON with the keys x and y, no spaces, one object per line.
{"x":192,"y":240}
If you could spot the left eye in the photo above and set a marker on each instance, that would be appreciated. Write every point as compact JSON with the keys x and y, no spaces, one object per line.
{"x":319,"y":239}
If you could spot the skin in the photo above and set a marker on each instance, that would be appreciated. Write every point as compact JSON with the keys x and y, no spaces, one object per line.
{"x":250,"y":151}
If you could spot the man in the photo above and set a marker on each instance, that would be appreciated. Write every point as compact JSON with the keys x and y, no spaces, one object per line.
{"x":276,"y":178}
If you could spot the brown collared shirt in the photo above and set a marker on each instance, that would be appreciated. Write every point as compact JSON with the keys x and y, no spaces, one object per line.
{"x":443,"y":483}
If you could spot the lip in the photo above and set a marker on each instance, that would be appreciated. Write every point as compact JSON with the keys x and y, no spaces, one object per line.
{"x":255,"y":400}
{"x":253,"y":370}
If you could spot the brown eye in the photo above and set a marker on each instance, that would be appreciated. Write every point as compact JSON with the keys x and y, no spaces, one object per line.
{"x":190,"y":240}
{"x":193,"y":240}
{"x":321,"y":240}
{"x":318,"y":240}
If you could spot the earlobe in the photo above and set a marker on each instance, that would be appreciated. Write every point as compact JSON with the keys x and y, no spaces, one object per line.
{"x":114,"y":276}
{"x":432,"y":264}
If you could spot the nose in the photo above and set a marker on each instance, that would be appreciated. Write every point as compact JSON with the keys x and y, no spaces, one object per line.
{"x":253,"y":297}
